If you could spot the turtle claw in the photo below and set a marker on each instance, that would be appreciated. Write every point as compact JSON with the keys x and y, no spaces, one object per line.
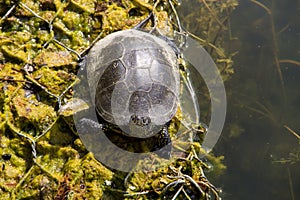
{"x":163,"y":140}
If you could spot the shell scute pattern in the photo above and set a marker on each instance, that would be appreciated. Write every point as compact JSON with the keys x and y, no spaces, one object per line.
{"x":115,"y":72}
{"x":134,"y":74}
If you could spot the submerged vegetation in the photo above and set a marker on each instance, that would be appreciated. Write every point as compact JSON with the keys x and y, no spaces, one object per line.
{"x":42,"y":155}
{"x":261,"y":139}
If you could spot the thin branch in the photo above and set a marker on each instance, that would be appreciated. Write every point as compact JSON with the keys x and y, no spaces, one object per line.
{"x":293,"y":132}
{"x":136,"y":193}
{"x":69,"y":49}
{"x":8,"y":13}
{"x":275,"y":49}
{"x":195,"y":183}
{"x":291,"y":184}
{"x":262,"y":6}
{"x":177,"y":193}
{"x":213,"y":13}
{"x":34,"y":13}
{"x":294,"y":62}
{"x":186,"y":195}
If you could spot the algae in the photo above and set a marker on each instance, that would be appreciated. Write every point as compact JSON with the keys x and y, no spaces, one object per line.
{"x":40,"y":43}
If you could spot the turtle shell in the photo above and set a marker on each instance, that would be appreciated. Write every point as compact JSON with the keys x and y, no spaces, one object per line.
{"x":134,"y":81}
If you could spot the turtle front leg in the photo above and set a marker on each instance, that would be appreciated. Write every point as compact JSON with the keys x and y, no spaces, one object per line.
{"x":163,"y":140}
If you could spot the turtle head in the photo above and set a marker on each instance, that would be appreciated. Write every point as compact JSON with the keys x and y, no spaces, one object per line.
{"x":141,"y":126}
{"x":140,"y":120}
{"x":140,"y":123}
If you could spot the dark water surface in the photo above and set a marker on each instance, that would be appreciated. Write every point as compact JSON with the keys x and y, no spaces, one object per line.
{"x":263,"y":97}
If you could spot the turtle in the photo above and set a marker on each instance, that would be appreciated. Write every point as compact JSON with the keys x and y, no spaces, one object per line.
{"x":134,"y":84}
{"x":134,"y":77}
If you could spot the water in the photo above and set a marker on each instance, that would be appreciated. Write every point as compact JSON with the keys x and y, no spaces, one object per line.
{"x":263,"y":98}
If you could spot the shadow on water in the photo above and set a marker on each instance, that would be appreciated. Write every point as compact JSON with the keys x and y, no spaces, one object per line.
{"x":261,"y":152}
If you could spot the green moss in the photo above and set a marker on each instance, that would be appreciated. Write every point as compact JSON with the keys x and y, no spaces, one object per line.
{"x":14,"y":53}
{"x":20,"y":148}
{"x":13,"y":169}
{"x":88,"y":173}
{"x":34,"y":112}
{"x":53,"y":59}
{"x":84,"y":5}
{"x":55,"y":81}
{"x":36,"y":185}
{"x":115,"y":18}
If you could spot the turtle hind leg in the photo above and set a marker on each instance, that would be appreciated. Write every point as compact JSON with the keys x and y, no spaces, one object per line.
{"x":163,"y":144}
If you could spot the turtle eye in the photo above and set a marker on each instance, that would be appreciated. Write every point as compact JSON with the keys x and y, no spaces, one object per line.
{"x":146,"y":121}
{"x":133,"y":118}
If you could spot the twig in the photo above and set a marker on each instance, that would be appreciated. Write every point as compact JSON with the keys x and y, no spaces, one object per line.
{"x":177,"y":193}
{"x":66,"y":90}
{"x":136,"y":193}
{"x":195,"y":183}
{"x":176,"y":16}
{"x":261,"y":112}
{"x":58,"y":97}
{"x":34,"y":13}
{"x":83,"y":53}
{"x":8,"y":13}
{"x":180,"y":179}
{"x":126,"y":178}
{"x":173,"y":184}
{"x":290,"y":62}
{"x":275,"y":50}
{"x":24,"y":178}
{"x":207,"y":43}
{"x":69,"y":49}
{"x":186,"y":195}
{"x":46,"y":171}
{"x":293,"y":132}
{"x":262,"y":6}
{"x":211,"y":187}
{"x":28,"y":76}
{"x":213,"y":13}
{"x":291,"y":184}
{"x":46,"y":131}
